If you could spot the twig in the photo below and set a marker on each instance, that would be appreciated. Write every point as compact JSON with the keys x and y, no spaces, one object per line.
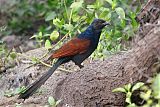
{"x":48,"y":65}
{"x":62,"y":69}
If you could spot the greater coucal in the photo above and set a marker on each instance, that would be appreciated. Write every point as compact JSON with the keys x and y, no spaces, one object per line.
{"x":77,"y":50}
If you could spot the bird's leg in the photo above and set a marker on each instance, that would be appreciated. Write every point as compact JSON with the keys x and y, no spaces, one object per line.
{"x":80,"y":66}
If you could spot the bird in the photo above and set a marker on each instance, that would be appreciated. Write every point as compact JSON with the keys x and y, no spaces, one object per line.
{"x":77,"y":50}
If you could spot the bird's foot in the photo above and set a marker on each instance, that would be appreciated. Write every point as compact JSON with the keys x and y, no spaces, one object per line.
{"x":80,"y":66}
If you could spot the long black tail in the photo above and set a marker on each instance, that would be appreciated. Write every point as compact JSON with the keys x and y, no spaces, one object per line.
{"x":33,"y":87}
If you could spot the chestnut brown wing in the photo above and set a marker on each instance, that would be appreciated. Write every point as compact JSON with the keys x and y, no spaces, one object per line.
{"x":73,"y":47}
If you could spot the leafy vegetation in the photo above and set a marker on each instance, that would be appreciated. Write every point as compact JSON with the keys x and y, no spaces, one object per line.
{"x":23,"y":15}
{"x":150,"y":94}
{"x":10,"y":93}
{"x":121,"y":23}
{"x":6,"y":56}
{"x":70,"y":17}
{"x":52,"y":102}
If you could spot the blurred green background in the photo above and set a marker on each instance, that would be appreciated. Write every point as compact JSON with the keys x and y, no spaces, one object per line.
{"x":48,"y":21}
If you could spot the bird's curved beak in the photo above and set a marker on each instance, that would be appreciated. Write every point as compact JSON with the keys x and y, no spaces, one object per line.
{"x":106,"y":23}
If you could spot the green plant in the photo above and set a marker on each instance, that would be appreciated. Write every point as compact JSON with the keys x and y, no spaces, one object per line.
{"x":52,"y":102}
{"x":7,"y":57}
{"x":128,"y":90}
{"x":150,"y":94}
{"x":10,"y":93}
{"x":26,"y":16}
{"x":6,"y":54}
{"x":78,"y":15}
{"x":18,"y":105}
{"x":72,"y":17}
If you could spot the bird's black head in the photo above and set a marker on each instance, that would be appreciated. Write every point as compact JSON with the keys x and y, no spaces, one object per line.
{"x":99,"y":24}
{"x":95,"y":28}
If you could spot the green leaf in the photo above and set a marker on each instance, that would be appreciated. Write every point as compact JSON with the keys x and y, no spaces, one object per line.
{"x":134,"y":23}
{"x":146,"y":95}
{"x":110,"y":2}
{"x":128,"y":100}
{"x":108,"y":16}
{"x":75,"y":17}
{"x":102,"y":9}
{"x":156,"y":86}
{"x":17,"y":90}
{"x":128,"y":87}
{"x":120,"y":12}
{"x":104,"y":13}
{"x":132,"y":105}
{"x":119,"y":90}
{"x":48,"y":44}
{"x":9,"y":93}
{"x":114,"y":4}
{"x":13,"y":55}
{"x":132,"y":15}
{"x":123,"y":23}
{"x":47,"y":35}
{"x":40,"y":35}
{"x":34,"y":36}
{"x":128,"y":95}
{"x":91,"y":6}
{"x":18,"y":105}
{"x":34,"y":60}
{"x":76,"y":5}
{"x":68,"y":27}
{"x":50,"y":16}
{"x":54,"y":35}
{"x":137,"y":86}
{"x":58,"y":23}
{"x":51,"y":101}
{"x":20,"y":90}
{"x":57,"y":102}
